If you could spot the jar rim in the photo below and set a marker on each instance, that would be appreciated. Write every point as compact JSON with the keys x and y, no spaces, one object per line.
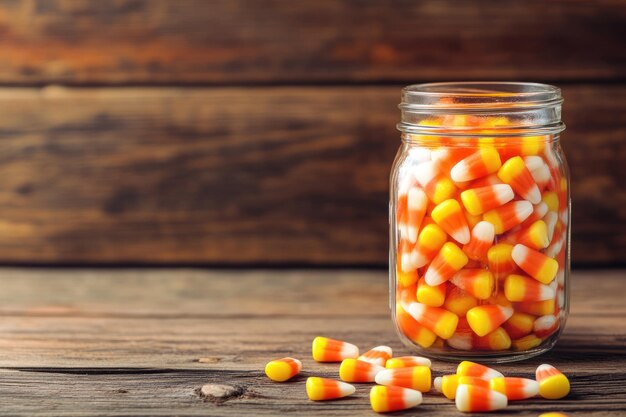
{"x":529,"y":108}
{"x":467,"y":94}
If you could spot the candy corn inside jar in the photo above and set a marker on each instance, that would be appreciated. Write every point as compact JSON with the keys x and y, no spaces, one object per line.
{"x":480,"y":221}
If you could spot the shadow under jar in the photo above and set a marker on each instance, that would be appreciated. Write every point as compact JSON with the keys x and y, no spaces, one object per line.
{"x":480,"y":221}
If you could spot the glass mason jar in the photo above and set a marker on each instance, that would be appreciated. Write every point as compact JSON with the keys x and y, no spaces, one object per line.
{"x":480,"y":221}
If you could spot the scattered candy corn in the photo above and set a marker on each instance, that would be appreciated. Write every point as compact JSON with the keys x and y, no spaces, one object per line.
{"x":515,"y":388}
{"x":353,"y":370}
{"x":407,"y":362}
{"x":416,"y":377}
{"x":470,"y":398}
{"x":448,"y":384}
{"x":553,"y":385}
{"x":283,"y":369}
{"x":330,"y":350}
{"x":467,"y":368}
{"x":322,"y":389}
{"x":378,"y":355}
{"x":385,"y":399}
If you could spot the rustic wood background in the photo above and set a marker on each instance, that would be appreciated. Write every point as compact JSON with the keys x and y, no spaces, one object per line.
{"x":240,"y":132}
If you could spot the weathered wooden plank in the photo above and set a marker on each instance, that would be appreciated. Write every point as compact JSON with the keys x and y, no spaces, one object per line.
{"x":97,"y":392}
{"x":278,"y":41}
{"x":240,"y":175}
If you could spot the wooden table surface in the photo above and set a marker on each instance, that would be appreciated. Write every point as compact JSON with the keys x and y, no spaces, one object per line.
{"x":144,"y":341}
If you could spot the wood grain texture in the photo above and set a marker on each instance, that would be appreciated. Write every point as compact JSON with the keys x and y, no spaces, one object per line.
{"x":281,"y":41}
{"x":78,"y":346}
{"x":247,"y":175}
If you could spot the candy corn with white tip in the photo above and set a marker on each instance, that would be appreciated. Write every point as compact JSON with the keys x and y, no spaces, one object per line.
{"x":331,"y":350}
{"x":416,"y":332}
{"x":477,"y":282}
{"x":534,"y":236}
{"x":487,"y":318}
{"x":405,"y":254}
{"x":322,"y":389}
{"x":442,"y":322}
{"x":417,"y":377}
{"x":539,"y":212}
{"x":352,"y":370}
{"x":430,"y":240}
{"x":459,"y":302}
{"x":378,"y":355}
{"x":472,"y":399}
{"x":553,"y":385}
{"x":539,"y":170}
{"x":448,"y":261}
{"x":433,"y":296}
{"x":283,"y":369}
{"x":535,"y":264}
{"x":467,"y":368}
{"x":448,"y":384}
{"x":407,"y":362}
{"x":481,"y":239}
{"x":479,"y":200}
{"x":526,"y":343}
{"x":446,"y":158}
{"x":483,"y":162}
{"x":437,"y":187}
{"x":509,"y":215}
{"x":551,"y":218}
{"x":515,"y":173}
{"x":519,"y":325}
{"x":449,"y":215}
{"x":521,"y":288}
{"x":417,"y":202}
{"x":386,"y":399}
{"x":544,"y":326}
{"x":515,"y":388}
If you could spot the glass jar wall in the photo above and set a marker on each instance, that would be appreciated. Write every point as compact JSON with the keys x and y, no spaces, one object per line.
{"x":479,"y":210}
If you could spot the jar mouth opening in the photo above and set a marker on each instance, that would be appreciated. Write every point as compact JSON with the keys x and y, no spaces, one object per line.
{"x":464,"y":96}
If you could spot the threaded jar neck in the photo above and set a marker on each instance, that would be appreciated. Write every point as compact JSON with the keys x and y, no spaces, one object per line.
{"x":461,"y":109}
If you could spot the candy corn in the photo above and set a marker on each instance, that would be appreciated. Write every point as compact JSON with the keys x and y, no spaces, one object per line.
{"x":437,"y":187}
{"x":353,"y":370}
{"x":283,"y":369}
{"x":483,"y":162}
{"x":385,"y":399}
{"x":509,"y":215}
{"x":477,"y":282}
{"x":544,"y":326}
{"x":429,"y":242}
{"x":487,"y":318}
{"x":515,"y":388}
{"x":433,"y":296}
{"x":449,"y":215}
{"x":470,"y":398}
{"x":526,"y":343}
{"x":467,"y":368}
{"x":330,"y":350}
{"x":534,"y":263}
{"x":521,"y":288}
{"x":479,"y":200}
{"x":481,"y":239}
{"x":539,"y":212}
{"x":537,"y":308}
{"x":440,"y":321}
{"x":459,"y":302}
{"x":539,"y":170}
{"x":378,"y":355}
{"x":415,"y":331}
{"x":534,"y":236}
{"x":552,"y":383}
{"x":416,"y":377}
{"x":417,"y":201}
{"x":322,"y":389}
{"x":407,"y":362}
{"x":449,"y":260}
{"x":465,"y":339}
{"x":500,"y":259}
{"x":515,"y":173}
{"x":519,"y":325}
{"x":448,"y":384}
